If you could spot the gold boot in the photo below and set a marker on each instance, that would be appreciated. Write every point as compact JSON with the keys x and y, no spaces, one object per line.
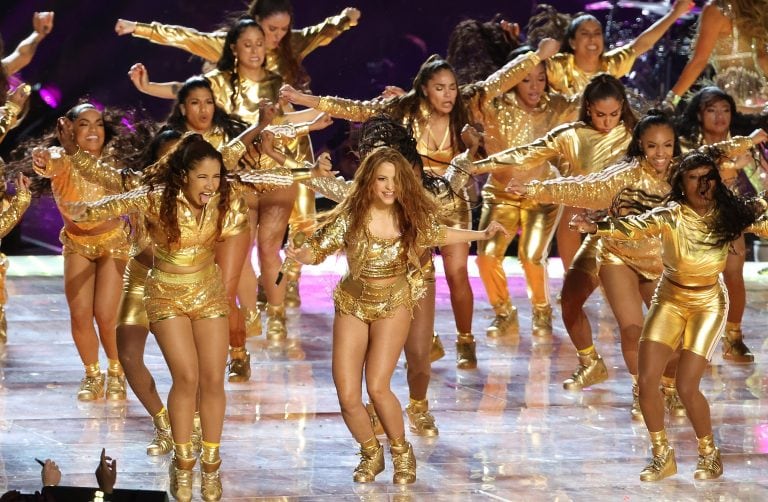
{"x":292,"y":298}
{"x":421,"y":420}
{"x":403,"y":460}
{"x":663,"y":462}
{"x":371,"y":461}
{"x":210,"y":462}
{"x":239,"y":365}
{"x":276,"y":329}
{"x":709,"y":465}
{"x":252,"y":321}
{"x":437,"y":351}
{"x":505,"y":321}
{"x":196,"y":438}
{"x":541,"y":322}
{"x":181,"y":471}
{"x":672,"y":401}
{"x":92,"y":385}
{"x":591,"y":371}
{"x":466,"y":359}
{"x":261,"y":295}
{"x":116,"y":390}
{"x":734,"y":348}
{"x":635,"y":411}
{"x":162,"y":442}
{"x":378,"y":429}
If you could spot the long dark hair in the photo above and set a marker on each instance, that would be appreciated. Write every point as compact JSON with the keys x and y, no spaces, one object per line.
{"x":689,"y":125}
{"x":3,"y":76}
{"x":653,"y":118}
{"x":476,"y":49}
{"x":228,"y":58}
{"x":570,"y":32}
{"x":733,"y":213}
{"x":231,"y":126}
{"x":604,"y":86}
{"x":169,"y":173}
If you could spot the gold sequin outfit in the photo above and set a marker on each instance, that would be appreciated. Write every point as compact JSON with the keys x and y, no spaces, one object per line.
{"x":690,"y":302}
{"x":13,"y":210}
{"x":92,"y":240}
{"x":9,"y":114}
{"x":568,"y":79}
{"x":363,"y":291}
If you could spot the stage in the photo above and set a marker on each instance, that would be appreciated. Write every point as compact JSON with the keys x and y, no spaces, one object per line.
{"x":508,"y":430}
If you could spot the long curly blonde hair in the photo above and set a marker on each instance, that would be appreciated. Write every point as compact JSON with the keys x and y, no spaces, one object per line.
{"x":749,"y":16}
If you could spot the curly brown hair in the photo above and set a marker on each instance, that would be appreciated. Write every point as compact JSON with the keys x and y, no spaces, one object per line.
{"x":749,"y":16}
{"x":414,"y":208}
{"x":169,"y":173}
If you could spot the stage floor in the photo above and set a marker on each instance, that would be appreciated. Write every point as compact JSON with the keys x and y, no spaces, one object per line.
{"x":508,"y":430}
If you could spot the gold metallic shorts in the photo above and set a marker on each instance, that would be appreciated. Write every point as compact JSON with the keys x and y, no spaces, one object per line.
{"x":199,"y":295}
{"x":115,"y":243}
{"x":695,"y":316}
{"x":371,"y":301}
{"x":131,"y":310}
{"x":587,"y":257}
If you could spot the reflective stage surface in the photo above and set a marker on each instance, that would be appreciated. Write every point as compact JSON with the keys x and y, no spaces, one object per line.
{"x":508,"y":430}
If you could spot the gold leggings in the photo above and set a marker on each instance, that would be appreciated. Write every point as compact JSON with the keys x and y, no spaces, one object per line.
{"x":199,"y":295}
{"x":131,"y":310}
{"x":537,"y":225}
{"x":695,"y":316}
{"x":369,"y":301}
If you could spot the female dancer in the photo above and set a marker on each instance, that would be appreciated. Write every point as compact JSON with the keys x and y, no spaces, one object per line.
{"x":582,"y":55}
{"x":286,"y":48}
{"x":688,"y":308}
{"x":12,"y":210}
{"x":95,"y":253}
{"x":431,"y":110}
{"x":185,"y":201}
{"x":708,"y":119}
{"x":385,"y":224}
{"x":628,"y":270}
{"x":731,"y":36}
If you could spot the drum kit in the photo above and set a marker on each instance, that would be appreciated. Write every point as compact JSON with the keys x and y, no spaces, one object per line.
{"x":652,"y":74}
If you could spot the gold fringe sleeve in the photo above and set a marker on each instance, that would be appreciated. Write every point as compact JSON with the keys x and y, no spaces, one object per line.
{"x":333,"y":188}
{"x":113,"y":206}
{"x":327,"y":239}
{"x":264,"y":180}
{"x":350,"y":109}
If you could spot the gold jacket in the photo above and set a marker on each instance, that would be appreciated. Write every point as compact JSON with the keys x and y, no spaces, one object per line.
{"x":568,"y":79}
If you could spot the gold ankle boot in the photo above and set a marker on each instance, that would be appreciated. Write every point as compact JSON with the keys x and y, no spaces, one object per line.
{"x":378,"y":429}
{"x":261,"y":295}
{"x":635,"y":411}
{"x":663,"y":463}
{"x":116,"y":387}
{"x":437,"y":351}
{"x":292,"y":297}
{"x":672,"y":401}
{"x":252,"y":321}
{"x":162,"y":442}
{"x":422,"y":422}
{"x":371,"y":461}
{"x":591,"y":371}
{"x":466,"y":359}
{"x":210,"y":463}
{"x":505,"y":321}
{"x":734,"y":348}
{"x":276,"y":329}
{"x":196,"y":438}
{"x":403,"y":460}
{"x":541,"y":322}
{"x":181,"y":472}
{"x":239,"y":365}
{"x":92,"y":385}
{"x":709,"y":465}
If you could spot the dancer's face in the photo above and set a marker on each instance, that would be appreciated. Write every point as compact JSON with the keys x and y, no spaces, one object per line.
{"x":198,"y":108}
{"x":384,"y":186}
{"x":699,"y":187}
{"x":276,"y":26}
{"x":715,"y":118}
{"x":588,"y":39}
{"x":441,"y":91}
{"x":202,"y":181}
{"x":250,"y":49}
{"x":658,"y":144}
{"x":532,"y":87}
{"x":605,"y":114}
{"x":89,"y":131}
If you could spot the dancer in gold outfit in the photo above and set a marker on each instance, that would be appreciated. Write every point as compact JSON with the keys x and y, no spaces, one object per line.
{"x":286,"y":49}
{"x":435,"y":111}
{"x":385,"y":224}
{"x":185,"y":201}
{"x":94,"y":254}
{"x":11,"y":211}
{"x":696,"y":229}
{"x":731,"y":36}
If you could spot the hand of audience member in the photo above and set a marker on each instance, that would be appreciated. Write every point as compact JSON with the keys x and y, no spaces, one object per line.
{"x":106,"y":472}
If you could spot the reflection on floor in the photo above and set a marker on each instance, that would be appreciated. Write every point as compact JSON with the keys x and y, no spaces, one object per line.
{"x":508,"y":431}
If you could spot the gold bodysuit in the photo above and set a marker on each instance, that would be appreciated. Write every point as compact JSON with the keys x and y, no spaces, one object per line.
{"x":568,"y":79}
{"x":690,"y":302}
{"x":361,"y":292}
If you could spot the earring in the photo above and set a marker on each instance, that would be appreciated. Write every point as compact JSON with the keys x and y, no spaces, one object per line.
{"x":235,"y":60}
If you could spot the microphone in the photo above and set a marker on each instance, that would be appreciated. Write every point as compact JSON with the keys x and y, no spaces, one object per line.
{"x":297,"y":241}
